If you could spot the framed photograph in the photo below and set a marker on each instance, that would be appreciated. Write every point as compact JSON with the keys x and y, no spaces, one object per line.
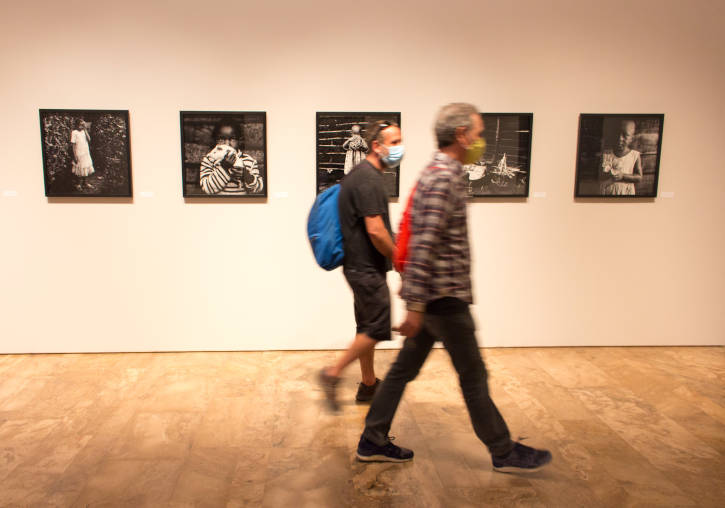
{"x":224,"y":154}
{"x":341,"y":145}
{"x":503,"y":170}
{"x":86,"y":153}
{"x":618,"y":156}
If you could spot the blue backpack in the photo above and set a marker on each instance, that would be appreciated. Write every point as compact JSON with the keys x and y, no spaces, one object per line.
{"x":323,"y":229}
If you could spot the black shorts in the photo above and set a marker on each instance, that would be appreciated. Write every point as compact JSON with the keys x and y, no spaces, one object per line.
{"x":372,"y":303}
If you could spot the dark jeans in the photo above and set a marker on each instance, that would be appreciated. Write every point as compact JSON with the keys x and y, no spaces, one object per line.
{"x":457,"y":332}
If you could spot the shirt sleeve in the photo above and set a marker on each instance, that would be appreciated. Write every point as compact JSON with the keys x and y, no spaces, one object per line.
{"x":253,"y":180}
{"x":74,"y":137}
{"x":212,"y":176}
{"x":432,"y":207}
{"x":369,"y":200}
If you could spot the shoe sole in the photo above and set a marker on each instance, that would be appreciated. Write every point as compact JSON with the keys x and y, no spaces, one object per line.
{"x":380,"y":458}
{"x":513,"y":469}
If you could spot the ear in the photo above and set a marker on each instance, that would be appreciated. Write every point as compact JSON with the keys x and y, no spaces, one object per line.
{"x":461,"y":136}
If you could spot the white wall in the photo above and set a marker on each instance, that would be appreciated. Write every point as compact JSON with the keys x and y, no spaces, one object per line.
{"x":143,"y":274}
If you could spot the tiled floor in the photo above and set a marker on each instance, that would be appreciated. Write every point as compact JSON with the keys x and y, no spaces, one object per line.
{"x":627,"y":427}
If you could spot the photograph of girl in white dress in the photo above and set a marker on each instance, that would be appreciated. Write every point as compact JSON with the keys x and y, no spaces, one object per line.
{"x":621,"y":165}
{"x":86,"y":153}
{"x":82,"y":165}
{"x":618,"y":155}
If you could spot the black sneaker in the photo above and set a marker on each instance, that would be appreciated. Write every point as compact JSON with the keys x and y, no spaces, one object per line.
{"x":329,"y":386}
{"x":367,"y":451}
{"x":522,"y":459}
{"x":366,"y":393}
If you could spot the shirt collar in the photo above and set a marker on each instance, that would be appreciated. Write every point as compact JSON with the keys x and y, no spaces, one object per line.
{"x":444,"y":159}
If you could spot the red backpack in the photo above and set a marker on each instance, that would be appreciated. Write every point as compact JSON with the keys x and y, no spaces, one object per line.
{"x":401,"y":244}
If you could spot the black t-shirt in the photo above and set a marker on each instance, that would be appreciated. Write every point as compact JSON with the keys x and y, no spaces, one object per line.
{"x":362,"y":194}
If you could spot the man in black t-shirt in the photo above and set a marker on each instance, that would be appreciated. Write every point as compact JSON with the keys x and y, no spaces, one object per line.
{"x":369,"y":246}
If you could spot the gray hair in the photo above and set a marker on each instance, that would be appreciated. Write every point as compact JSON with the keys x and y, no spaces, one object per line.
{"x":450,"y":117}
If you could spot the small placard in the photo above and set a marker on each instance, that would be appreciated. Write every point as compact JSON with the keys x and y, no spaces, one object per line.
{"x":10,"y":193}
{"x":668,"y":194}
{"x":539,"y":194}
{"x":146,"y":194}
{"x":281,"y":195}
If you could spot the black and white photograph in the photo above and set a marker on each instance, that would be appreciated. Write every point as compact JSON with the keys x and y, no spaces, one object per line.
{"x":224,"y":153}
{"x":618,"y":155}
{"x":504,"y":168}
{"x":341,"y":146}
{"x":86,"y":152}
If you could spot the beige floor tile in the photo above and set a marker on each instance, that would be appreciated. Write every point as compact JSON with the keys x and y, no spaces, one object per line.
{"x":166,"y":435}
{"x":627,"y":427}
{"x":206,"y":477}
{"x":132,"y":483}
{"x":249,"y":478}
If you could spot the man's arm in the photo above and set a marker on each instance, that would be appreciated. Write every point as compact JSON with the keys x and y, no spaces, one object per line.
{"x":430,"y":217}
{"x":379,"y":235}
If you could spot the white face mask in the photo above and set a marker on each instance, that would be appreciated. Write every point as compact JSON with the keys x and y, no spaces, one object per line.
{"x":395,"y":155}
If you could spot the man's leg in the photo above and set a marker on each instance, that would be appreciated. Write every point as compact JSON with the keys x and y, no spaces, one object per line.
{"x":405,"y":368}
{"x":459,"y":338}
{"x":362,"y":347}
{"x":372,"y":317}
{"x":367,"y":367}
{"x":329,"y":377}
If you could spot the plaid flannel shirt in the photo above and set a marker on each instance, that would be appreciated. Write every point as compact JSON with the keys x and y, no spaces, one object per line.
{"x":439,"y":259}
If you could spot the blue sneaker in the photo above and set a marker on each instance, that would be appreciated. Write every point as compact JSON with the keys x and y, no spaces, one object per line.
{"x":367,"y":451}
{"x":522,"y":459}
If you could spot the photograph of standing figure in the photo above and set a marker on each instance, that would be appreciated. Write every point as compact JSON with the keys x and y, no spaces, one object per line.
{"x":621,"y":165}
{"x":223,"y":154}
{"x":618,"y":155}
{"x":341,"y":146}
{"x":356,"y":149}
{"x":86,"y":153}
{"x":82,"y":165}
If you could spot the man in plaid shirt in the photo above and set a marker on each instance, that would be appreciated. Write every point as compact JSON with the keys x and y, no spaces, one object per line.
{"x":437,"y":292}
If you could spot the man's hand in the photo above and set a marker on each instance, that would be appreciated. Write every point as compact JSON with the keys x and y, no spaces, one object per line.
{"x":412,"y":324}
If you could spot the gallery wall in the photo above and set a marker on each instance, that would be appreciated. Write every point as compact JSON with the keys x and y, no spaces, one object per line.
{"x":158,"y":272}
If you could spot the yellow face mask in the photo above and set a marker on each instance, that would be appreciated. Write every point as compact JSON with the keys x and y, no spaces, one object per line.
{"x":475,"y":151}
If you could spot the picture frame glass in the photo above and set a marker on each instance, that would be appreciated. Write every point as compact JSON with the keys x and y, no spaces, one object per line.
{"x":224,"y":154}
{"x":86,"y":152}
{"x":618,"y":155}
{"x":341,"y":145}
{"x":504,"y":168}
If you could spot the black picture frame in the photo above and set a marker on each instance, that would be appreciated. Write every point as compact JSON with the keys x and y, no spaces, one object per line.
{"x":597,"y":157}
{"x":203,"y":175}
{"x":332,"y":130}
{"x":504,"y":170}
{"x":98,"y":161}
